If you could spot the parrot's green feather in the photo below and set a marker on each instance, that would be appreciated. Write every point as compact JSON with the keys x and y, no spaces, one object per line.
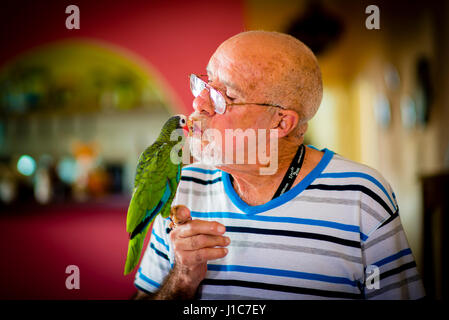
{"x":134,"y":249}
{"x":149,"y":189}
{"x":146,"y":157}
{"x":155,"y":185}
{"x":165,"y":212}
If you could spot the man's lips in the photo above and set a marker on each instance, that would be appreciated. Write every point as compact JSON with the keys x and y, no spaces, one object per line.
{"x":195,"y":126}
{"x":189,"y":127}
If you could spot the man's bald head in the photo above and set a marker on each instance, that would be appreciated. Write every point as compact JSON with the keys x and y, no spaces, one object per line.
{"x":275,"y":67}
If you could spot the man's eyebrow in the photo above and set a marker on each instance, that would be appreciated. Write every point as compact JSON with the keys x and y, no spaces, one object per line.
{"x":224,"y":82}
{"x":231,"y":85}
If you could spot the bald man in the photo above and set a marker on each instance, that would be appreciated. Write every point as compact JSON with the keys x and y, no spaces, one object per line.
{"x":318,"y":226}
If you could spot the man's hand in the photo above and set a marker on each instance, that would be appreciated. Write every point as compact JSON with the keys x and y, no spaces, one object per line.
{"x":195,"y":242}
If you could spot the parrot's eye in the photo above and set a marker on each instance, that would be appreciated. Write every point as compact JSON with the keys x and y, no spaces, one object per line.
{"x":183,"y":122}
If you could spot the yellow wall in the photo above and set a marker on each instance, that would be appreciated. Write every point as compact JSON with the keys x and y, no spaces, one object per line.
{"x":353,"y":76}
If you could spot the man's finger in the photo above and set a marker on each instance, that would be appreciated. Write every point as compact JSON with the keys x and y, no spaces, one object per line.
{"x":196,"y":227}
{"x":203,"y":255}
{"x":202,"y":241}
{"x":180,"y":214}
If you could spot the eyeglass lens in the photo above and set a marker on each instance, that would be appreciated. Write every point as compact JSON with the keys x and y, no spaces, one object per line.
{"x":197,"y":86}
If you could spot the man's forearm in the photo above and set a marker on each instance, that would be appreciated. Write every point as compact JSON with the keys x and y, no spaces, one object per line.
{"x":174,"y":287}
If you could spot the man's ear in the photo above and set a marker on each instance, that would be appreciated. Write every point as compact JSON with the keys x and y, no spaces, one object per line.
{"x":286,"y":122}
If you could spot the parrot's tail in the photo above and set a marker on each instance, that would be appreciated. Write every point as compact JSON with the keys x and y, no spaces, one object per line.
{"x":134,"y":249}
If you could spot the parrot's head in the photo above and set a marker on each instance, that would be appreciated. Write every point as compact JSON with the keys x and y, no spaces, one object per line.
{"x":176,"y":122}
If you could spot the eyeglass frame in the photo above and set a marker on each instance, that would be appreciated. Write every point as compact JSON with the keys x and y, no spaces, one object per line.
{"x":209,"y":88}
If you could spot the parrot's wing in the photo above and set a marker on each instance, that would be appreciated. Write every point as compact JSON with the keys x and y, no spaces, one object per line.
{"x":146,"y":157}
{"x":150,"y":195}
{"x":173,"y":184}
{"x":151,"y":213}
{"x":149,"y":188}
{"x":138,"y":234}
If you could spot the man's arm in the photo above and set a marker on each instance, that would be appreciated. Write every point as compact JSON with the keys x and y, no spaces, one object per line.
{"x":174,"y":287}
{"x":194,"y":243}
{"x":388,"y":251}
{"x":140,"y":295}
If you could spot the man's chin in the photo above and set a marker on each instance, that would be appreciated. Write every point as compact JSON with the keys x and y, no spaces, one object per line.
{"x":206,"y":154}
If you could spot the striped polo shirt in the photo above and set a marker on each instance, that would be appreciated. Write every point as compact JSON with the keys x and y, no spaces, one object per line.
{"x":337,"y":234}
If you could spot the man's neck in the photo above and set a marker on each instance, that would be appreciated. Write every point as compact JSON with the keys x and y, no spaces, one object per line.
{"x":256,"y":189}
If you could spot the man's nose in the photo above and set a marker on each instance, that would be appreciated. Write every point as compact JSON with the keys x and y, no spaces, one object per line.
{"x":203,"y":103}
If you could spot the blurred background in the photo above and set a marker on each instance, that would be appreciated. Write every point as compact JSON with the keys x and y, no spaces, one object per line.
{"x":77,"y":107}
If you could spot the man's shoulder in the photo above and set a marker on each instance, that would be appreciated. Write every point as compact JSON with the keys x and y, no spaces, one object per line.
{"x":349,"y":180}
{"x":343,"y":167}
{"x":351,"y":175}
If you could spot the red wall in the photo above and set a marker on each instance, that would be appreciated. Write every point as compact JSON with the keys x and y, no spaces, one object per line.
{"x":175,"y":37}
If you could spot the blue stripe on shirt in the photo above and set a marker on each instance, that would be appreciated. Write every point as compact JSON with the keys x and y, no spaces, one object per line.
{"x":282,"y":273}
{"x":158,"y":252}
{"x":146,"y":279}
{"x":393,"y":257}
{"x":363,"y":236}
{"x":359,"y":175}
{"x":201,"y":170}
{"x":233,"y":215}
{"x":160,"y":240}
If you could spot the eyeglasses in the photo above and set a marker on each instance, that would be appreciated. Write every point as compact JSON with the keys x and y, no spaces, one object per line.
{"x":197,"y":86}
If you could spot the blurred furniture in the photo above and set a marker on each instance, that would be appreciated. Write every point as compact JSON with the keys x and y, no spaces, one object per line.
{"x":435,"y":190}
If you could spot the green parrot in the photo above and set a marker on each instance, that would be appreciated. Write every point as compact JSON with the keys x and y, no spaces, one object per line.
{"x":155,"y":185}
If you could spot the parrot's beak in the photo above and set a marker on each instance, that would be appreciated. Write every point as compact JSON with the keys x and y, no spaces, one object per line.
{"x":185,"y":129}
